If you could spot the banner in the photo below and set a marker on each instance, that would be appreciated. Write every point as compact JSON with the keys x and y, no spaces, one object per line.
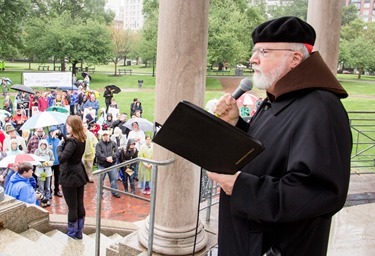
{"x":47,"y":79}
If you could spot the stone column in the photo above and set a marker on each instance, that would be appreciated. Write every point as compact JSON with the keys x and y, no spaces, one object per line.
{"x":180,"y":75}
{"x":325,"y":17}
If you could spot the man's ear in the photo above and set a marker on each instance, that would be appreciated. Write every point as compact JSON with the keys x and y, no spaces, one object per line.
{"x":297,"y":59}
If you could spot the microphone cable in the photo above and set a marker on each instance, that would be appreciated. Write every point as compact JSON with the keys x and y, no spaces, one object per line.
{"x":199,"y":201}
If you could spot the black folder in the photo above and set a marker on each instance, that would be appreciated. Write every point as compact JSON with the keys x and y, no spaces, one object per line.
{"x":206,"y":140}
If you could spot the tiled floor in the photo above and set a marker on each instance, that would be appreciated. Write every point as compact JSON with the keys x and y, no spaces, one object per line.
{"x":126,"y":208}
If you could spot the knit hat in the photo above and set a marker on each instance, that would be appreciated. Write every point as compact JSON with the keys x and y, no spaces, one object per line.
{"x":285,"y":29}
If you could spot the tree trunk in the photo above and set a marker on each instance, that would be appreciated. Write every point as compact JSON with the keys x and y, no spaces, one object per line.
{"x":221,"y":66}
{"x":359,"y":73}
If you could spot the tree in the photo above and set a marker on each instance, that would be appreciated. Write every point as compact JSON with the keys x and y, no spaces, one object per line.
{"x":148,"y":46}
{"x":229,"y":36}
{"x":62,"y":38}
{"x":77,"y":9}
{"x":353,"y":29}
{"x":356,"y":46}
{"x":122,"y":41}
{"x":362,"y":54}
{"x":12,"y":18}
{"x":349,"y":14}
{"x":296,"y":8}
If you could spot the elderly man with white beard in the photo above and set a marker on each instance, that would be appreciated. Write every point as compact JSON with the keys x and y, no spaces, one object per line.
{"x":282,"y":202}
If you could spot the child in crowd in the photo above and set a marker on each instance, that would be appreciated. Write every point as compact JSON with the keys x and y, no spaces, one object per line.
{"x":44,"y":170}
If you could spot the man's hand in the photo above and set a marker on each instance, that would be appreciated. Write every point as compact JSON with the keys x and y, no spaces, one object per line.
{"x":227,"y":109}
{"x":226,"y":181}
{"x":109,"y":159}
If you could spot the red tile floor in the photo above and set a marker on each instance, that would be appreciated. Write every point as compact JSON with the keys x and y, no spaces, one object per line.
{"x":126,"y":208}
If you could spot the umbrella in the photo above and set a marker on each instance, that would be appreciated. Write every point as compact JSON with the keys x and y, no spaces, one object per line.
{"x":84,"y":74}
{"x":19,"y":158}
{"x":113,"y":88}
{"x":143,"y":124}
{"x":7,"y":80}
{"x":44,"y":119}
{"x":58,"y":109}
{"x":3,"y":114}
{"x":96,"y":93}
{"x":22,"y":88}
{"x":247,"y":99}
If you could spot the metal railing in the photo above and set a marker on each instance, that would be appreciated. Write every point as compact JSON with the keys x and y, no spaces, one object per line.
{"x":362,"y":124}
{"x":100,"y":187}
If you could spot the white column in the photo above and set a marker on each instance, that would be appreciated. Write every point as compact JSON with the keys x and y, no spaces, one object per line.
{"x":180,"y":75}
{"x":325,"y":17}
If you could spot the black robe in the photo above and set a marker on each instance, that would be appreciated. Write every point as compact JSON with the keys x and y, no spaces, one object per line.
{"x":286,"y":196}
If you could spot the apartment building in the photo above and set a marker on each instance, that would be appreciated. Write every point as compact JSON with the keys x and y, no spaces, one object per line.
{"x":366,"y":9}
{"x":128,"y":13}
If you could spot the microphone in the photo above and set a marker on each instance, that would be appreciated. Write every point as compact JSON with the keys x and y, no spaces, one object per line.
{"x":245,"y":85}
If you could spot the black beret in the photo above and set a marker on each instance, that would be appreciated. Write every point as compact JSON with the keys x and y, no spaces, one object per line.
{"x":285,"y":29}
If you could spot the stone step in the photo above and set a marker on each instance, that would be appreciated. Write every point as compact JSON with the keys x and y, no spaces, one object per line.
{"x":72,"y":247}
{"x":43,"y":241}
{"x":105,"y":242}
{"x":13,"y":244}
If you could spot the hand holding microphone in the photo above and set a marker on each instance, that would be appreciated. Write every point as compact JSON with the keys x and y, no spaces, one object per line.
{"x":226,"y":108}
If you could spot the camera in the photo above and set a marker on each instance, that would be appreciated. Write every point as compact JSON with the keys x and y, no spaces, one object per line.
{"x":59,"y":135}
{"x":42,"y":198}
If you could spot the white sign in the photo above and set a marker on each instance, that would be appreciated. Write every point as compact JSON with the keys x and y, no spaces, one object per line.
{"x":47,"y":79}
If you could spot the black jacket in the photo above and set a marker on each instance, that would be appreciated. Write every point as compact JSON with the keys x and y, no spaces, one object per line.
{"x":72,"y":170}
{"x":286,"y":196}
{"x":104,"y":150}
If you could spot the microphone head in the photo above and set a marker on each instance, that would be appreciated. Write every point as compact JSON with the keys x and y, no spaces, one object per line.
{"x":246,"y":84}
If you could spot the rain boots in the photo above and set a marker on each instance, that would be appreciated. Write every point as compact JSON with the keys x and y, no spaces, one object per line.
{"x":75,"y":228}
{"x":72,"y":229}
{"x":81,"y":223}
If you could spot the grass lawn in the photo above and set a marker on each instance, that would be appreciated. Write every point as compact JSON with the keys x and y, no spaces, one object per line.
{"x":361,"y":92}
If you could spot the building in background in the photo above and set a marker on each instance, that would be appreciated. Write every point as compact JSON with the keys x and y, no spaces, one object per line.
{"x":366,"y":9}
{"x":128,"y":13}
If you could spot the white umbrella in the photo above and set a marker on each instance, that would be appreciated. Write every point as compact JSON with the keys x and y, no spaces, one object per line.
{"x":7,"y":80}
{"x":3,"y":114}
{"x":44,"y":119}
{"x":143,"y":124}
{"x":19,"y":158}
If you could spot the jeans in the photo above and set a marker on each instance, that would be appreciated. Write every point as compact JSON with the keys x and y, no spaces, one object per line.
{"x":45,"y":186}
{"x":125,"y":180}
{"x":112,"y":177}
{"x":56,"y":175}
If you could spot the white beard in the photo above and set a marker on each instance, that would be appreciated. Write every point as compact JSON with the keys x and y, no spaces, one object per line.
{"x":264,"y":81}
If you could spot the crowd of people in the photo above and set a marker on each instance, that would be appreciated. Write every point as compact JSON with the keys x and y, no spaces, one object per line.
{"x":107,"y":142}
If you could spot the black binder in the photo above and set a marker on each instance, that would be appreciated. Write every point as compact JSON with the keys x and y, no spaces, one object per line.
{"x":206,"y":140}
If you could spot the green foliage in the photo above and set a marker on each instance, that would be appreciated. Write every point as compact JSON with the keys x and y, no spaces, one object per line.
{"x":82,"y":9}
{"x":352,"y":29}
{"x":12,"y":18}
{"x":296,"y":8}
{"x":229,"y":36}
{"x":62,"y":37}
{"x":349,"y":14}
{"x":148,"y":38}
{"x":356,"y":46}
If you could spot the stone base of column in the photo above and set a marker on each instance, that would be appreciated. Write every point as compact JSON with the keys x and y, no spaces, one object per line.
{"x":173,"y":242}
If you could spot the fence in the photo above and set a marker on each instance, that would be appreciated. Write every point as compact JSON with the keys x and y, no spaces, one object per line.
{"x":362,"y":124}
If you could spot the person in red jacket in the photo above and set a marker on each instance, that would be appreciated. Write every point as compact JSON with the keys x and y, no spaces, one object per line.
{"x":43,"y":102}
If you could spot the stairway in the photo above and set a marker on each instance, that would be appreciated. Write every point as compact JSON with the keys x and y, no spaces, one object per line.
{"x":30,"y":230}
{"x":32,"y":242}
